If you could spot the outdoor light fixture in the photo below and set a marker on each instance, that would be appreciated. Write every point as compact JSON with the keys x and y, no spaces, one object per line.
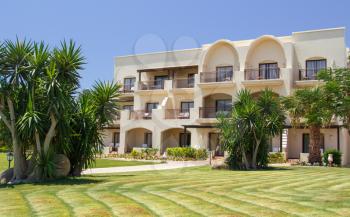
{"x":9,"y":157}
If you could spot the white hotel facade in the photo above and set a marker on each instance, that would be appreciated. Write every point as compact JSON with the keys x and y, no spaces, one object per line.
{"x":170,"y":99}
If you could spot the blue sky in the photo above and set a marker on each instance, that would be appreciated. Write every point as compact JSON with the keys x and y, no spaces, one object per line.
{"x":108,"y":28}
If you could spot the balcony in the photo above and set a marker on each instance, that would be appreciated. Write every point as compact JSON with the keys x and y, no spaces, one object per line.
{"x":183,"y":83}
{"x":212,"y":79}
{"x":213,"y":112}
{"x":177,"y":114}
{"x":151,"y":85}
{"x":140,"y":115}
{"x":307,"y":78}
{"x":257,"y":77}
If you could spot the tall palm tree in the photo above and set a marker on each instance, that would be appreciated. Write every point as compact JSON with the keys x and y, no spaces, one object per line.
{"x":14,"y":72}
{"x":253,"y":121}
{"x":94,"y":110}
{"x":310,"y":108}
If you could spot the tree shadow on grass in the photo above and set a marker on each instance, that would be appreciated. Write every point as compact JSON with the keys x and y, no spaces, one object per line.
{"x":84,"y":180}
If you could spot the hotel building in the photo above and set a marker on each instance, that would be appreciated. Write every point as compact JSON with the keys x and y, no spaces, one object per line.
{"x":171,"y":99}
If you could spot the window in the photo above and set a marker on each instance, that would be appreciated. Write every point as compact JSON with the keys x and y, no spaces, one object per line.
{"x":150,"y":106}
{"x":129,"y":83}
{"x":185,"y":139}
{"x":148,"y":140}
{"x":128,"y":107}
{"x":268,"y":71}
{"x":223,"y":105}
{"x":224,"y":73}
{"x":115,"y":140}
{"x":314,"y":66}
{"x":185,"y":106}
{"x":306,"y":142}
{"x":159,"y":81}
{"x":190,"y":80}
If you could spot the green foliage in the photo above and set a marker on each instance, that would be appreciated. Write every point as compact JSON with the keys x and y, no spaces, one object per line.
{"x":337,"y":88}
{"x":45,"y":166}
{"x":318,"y":111}
{"x":201,"y":154}
{"x":336,"y":156}
{"x":186,"y":153}
{"x":88,"y":121}
{"x":42,"y":85}
{"x":145,"y":154}
{"x":246,"y":132}
{"x":276,"y":157}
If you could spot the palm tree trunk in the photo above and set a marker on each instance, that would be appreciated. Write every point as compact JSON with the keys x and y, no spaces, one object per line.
{"x":315,"y":145}
{"x":20,"y":165}
{"x":51,"y":133}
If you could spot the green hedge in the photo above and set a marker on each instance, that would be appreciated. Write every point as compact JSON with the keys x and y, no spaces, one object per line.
{"x":336,"y":156}
{"x":146,"y":154}
{"x":276,"y":157}
{"x":186,"y":153}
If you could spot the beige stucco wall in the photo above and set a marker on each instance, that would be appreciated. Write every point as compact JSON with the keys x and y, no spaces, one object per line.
{"x":108,"y":136}
{"x":294,"y":146}
{"x":265,"y":51}
{"x":220,"y":54}
{"x":290,"y":52}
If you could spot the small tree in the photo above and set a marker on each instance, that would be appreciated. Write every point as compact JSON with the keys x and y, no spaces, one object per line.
{"x":310,"y":108}
{"x":246,"y":132}
{"x":337,"y":88}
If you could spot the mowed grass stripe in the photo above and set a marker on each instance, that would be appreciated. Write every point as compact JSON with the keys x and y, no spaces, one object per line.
{"x":159,"y":205}
{"x":13,"y":204}
{"x":198,"y":205}
{"x":120,"y":205}
{"x":232,"y":203}
{"x":82,"y":204}
{"x":46,"y":204}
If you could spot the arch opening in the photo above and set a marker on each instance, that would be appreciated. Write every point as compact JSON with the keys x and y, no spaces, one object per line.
{"x":138,"y":138}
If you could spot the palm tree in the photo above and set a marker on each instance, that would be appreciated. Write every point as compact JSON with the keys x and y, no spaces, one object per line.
{"x":253,"y":121}
{"x":94,"y":110}
{"x":14,"y":72}
{"x":312,"y":109}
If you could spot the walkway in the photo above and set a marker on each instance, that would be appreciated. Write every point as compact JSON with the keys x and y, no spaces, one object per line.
{"x":163,"y":166}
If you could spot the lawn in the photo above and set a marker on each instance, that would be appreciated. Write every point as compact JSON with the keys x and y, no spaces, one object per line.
{"x":295,"y":191}
{"x":4,"y":163}
{"x":100,"y":163}
{"x":104,"y":163}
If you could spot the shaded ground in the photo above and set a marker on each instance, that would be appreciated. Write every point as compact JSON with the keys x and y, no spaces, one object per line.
{"x":197,"y":191}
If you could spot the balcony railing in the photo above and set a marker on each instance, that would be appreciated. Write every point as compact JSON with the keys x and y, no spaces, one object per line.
{"x":183,"y":83}
{"x":207,"y":77}
{"x":140,"y":115}
{"x":177,"y":114}
{"x":212,"y":112}
{"x":151,"y":85}
{"x":308,"y":74}
{"x":128,"y":89}
{"x":259,"y":74}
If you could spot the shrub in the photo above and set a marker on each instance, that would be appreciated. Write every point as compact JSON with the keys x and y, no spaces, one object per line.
{"x":336,"y":156}
{"x":135,"y":154}
{"x":186,"y":153}
{"x":276,"y":157}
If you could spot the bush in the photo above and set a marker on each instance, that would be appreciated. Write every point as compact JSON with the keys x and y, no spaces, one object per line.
{"x":186,"y":153}
{"x":276,"y":157}
{"x":145,"y":154}
{"x":201,"y":154}
{"x":336,"y":156}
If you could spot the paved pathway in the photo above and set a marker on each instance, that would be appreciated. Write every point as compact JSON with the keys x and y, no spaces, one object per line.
{"x":162,"y":166}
